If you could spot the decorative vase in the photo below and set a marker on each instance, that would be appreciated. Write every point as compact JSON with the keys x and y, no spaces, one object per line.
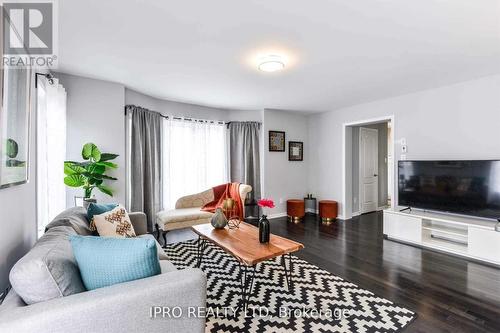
{"x":219,"y":220}
{"x":264,"y":229}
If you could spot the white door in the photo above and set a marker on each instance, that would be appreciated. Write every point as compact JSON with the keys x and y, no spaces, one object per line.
{"x":368,"y":170}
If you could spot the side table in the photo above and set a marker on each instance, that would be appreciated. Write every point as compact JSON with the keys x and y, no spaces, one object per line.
{"x":310,"y":204}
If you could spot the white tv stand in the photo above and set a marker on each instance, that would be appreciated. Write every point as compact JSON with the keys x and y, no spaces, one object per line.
{"x":465,"y":236}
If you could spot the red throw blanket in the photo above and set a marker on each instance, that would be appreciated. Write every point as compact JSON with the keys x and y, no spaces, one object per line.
{"x":223,"y":192}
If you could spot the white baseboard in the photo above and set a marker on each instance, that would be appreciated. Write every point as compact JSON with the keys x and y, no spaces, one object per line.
{"x":277,"y":215}
{"x":354,"y":214}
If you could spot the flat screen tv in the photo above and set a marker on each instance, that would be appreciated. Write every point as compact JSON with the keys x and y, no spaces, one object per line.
{"x":461,"y":187}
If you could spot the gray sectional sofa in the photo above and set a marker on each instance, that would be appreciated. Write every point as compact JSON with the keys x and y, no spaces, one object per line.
{"x":48,"y":279}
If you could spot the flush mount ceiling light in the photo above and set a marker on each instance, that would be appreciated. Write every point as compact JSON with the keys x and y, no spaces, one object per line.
{"x":271,"y":63}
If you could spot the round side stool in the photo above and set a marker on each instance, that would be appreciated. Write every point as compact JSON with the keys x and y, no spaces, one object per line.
{"x":295,"y":209}
{"x":328,"y":210}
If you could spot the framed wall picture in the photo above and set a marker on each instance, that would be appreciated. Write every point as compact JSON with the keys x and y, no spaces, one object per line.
{"x":14,"y":126}
{"x":295,"y":151}
{"x":276,"y":141}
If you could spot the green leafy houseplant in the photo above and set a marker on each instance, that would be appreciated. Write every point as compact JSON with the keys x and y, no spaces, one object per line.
{"x":90,"y":174}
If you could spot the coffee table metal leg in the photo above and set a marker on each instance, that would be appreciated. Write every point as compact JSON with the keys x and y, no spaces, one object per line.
{"x":288,"y":272}
{"x":241,"y":276}
{"x":243,"y":272}
{"x":283,"y":263}
{"x":247,"y":276}
{"x":254,"y":268}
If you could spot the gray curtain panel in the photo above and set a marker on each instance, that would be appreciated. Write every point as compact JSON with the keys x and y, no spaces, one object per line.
{"x":244,"y":153}
{"x":145,"y":162}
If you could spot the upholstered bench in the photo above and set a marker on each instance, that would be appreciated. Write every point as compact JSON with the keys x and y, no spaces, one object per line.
{"x":188,"y":211}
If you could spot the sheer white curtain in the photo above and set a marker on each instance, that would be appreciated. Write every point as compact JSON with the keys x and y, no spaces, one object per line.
{"x":194,"y":158}
{"x":51,"y":151}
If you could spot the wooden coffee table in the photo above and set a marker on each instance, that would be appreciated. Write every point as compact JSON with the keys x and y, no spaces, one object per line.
{"x":243,"y":244}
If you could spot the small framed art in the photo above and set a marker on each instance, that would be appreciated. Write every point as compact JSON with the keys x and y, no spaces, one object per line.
{"x":295,"y":151}
{"x":276,"y":141}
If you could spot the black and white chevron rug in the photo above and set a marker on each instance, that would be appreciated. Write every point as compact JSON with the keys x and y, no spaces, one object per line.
{"x":318,"y":302}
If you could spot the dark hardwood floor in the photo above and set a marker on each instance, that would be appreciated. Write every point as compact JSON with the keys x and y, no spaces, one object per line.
{"x":450,"y":294}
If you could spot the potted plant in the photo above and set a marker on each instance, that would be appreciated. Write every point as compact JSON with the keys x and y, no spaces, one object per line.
{"x":91,"y":173}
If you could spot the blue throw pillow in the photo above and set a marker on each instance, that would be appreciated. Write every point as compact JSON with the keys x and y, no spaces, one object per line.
{"x":104,"y":261}
{"x":98,"y":209}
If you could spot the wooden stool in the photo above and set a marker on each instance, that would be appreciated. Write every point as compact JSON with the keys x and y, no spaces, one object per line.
{"x":328,"y":210}
{"x":295,"y":209}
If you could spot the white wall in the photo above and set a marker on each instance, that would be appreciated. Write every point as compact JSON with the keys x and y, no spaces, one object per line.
{"x":243,"y":115}
{"x":460,"y":121}
{"x":285,"y":179}
{"x":95,"y":113}
{"x":18,"y":214}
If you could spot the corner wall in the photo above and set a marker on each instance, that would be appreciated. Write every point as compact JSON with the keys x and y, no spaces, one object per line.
{"x":459,"y":121}
{"x":175,"y":108}
{"x":95,"y":113}
{"x":285,"y":179}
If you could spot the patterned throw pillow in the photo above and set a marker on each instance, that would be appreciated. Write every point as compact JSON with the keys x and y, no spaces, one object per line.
{"x":115,"y":223}
{"x":97,"y":209}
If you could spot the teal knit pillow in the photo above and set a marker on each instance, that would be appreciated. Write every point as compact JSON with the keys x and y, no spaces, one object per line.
{"x":98,"y":209}
{"x":104,"y":261}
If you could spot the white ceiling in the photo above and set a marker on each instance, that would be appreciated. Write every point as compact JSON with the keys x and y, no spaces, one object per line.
{"x":340,"y":52}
